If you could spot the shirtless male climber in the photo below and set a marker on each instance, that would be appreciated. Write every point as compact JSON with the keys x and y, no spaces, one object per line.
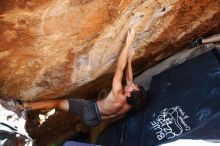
{"x":118,"y":101}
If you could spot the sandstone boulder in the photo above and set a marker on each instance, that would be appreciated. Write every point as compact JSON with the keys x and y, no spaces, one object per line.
{"x":49,"y":48}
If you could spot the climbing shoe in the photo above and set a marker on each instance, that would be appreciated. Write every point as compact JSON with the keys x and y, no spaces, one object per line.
{"x":197,"y":42}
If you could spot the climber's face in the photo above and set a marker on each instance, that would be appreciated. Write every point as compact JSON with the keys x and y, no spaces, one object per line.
{"x":129,"y":88}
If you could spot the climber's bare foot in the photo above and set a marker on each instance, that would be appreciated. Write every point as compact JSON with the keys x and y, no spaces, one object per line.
{"x":19,"y":104}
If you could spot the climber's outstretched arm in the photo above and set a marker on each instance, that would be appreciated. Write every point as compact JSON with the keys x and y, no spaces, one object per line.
{"x":122,"y":61}
{"x":129,"y":72}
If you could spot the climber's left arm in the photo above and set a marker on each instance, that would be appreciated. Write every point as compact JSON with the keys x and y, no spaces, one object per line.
{"x":129,"y":72}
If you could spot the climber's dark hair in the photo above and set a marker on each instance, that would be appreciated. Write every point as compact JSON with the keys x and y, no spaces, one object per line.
{"x":138,"y":98}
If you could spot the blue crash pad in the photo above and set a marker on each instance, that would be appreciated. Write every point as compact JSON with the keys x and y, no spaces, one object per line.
{"x":183,"y":103}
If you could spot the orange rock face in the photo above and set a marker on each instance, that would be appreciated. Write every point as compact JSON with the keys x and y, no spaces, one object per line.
{"x":49,"y":48}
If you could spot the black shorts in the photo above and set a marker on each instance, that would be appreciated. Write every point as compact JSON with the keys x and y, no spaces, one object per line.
{"x":86,"y":109}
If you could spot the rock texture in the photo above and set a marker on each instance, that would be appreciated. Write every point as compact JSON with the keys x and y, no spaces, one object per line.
{"x":49,"y":48}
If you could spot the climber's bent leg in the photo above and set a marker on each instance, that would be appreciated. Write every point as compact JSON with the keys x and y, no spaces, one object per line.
{"x":212,"y":39}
